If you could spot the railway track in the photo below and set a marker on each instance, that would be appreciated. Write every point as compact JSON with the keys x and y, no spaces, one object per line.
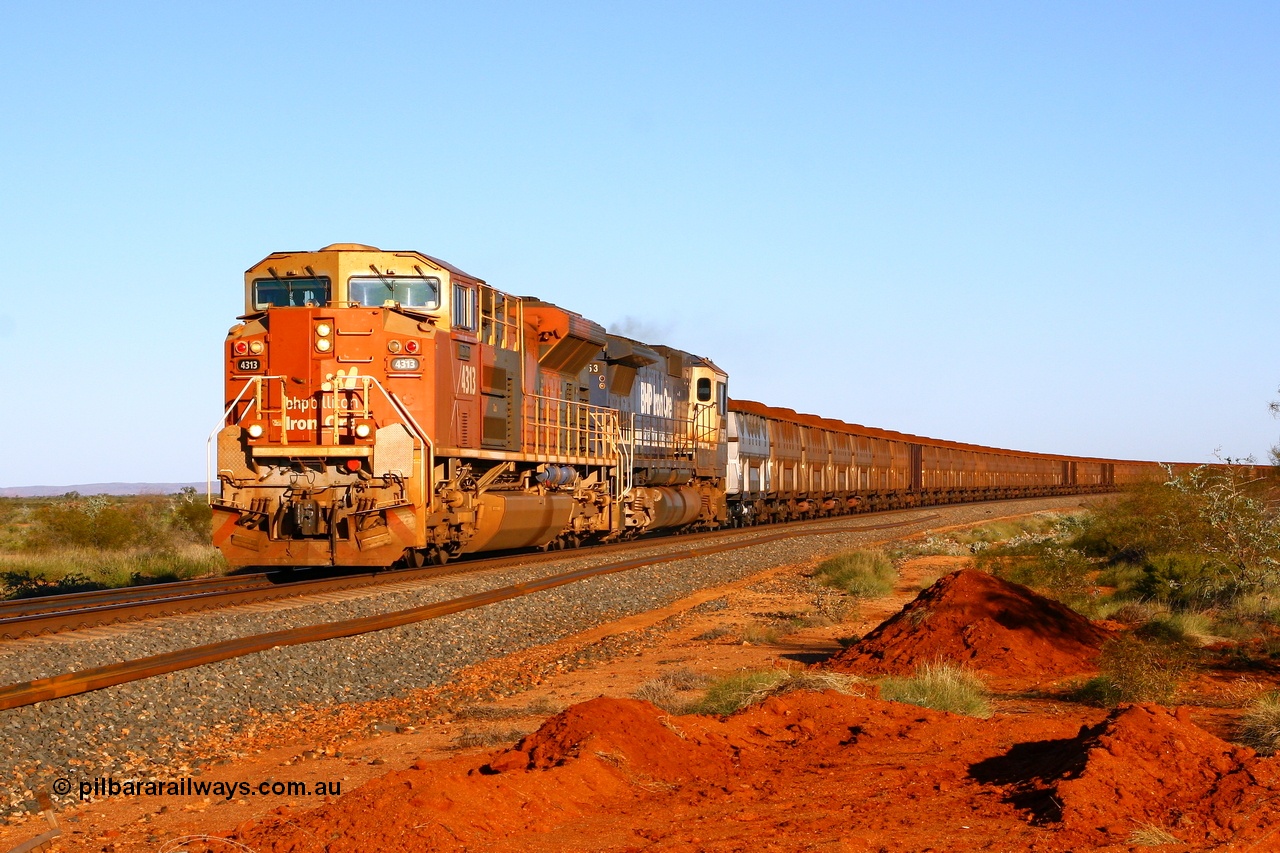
{"x":32,"y":617}
{"x":684,"y":547}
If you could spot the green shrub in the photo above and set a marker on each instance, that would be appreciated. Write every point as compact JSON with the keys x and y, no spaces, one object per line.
{"x":1219,"y":529}
{"x":116,"y":523}
{"x":862,"y":574}
{"x":1124,"y":578}
{"x":72,"y":543}
{"x":1138,"y":669}
{"x":1099,"y":690}
{"x":1186,"y":581}
{"x":941,"y":686}
{"x":1121,"y":610}
{"x":1061,"y":573}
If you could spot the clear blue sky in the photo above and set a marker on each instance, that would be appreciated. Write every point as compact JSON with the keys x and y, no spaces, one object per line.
{"x":1047,"y":226}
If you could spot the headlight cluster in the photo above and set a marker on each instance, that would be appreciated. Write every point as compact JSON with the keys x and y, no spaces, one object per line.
{"x":323,"y":331}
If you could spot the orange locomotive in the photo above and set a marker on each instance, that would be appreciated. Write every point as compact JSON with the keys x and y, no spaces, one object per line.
{"x":387,"y":407}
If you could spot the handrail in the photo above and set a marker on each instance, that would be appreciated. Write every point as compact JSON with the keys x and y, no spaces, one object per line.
{"x":427,"y":462}
{"x":222,"y":424}
{"x":568,"y":427}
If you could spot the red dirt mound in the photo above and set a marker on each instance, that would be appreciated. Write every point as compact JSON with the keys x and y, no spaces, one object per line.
{"x":1150,"y":766}
{"x":621,"y":731}
{"x":800,"y":771}
{"x":1002,"y":629}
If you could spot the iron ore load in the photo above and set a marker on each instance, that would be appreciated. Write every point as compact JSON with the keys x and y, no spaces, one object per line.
{"x":387,"y":407}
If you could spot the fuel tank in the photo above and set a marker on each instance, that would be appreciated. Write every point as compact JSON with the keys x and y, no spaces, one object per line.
{"x":669,"y":507}
{"x":518,"y":521}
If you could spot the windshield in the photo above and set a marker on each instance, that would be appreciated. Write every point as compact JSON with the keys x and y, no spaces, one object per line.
{"x":290,"y":292}
{"x":410,"y":292}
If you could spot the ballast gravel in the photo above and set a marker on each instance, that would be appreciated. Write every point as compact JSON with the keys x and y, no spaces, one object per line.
{"x":141,"y":730}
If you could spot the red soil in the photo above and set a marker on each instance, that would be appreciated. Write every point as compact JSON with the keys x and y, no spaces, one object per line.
{"x":1152,"y":766}
{"x":807,"y":771}
{"x":801,"y":771}
{"x":1001,"y":629}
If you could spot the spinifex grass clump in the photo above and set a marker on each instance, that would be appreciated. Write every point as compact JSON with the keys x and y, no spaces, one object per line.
{"x":742,"y":689}
{"x":862,"y":574}
{"x":1260,"y":725}
{"x":941,"y":686}
{"x":665,"y":690}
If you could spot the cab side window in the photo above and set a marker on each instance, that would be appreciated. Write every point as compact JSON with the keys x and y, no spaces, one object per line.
{"x":464,"y":307}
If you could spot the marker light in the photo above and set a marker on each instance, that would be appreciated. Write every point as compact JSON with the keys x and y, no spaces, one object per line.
{"x":324,"y":344}
{"x":255,"y":430}
{"x":353,"y":464}
{"x":393,"y":346}
{"x":363,"y":430}
{"x":240,"y":347}
{"x":323,"y":330}
{"x":255,"y":347}
{"x":411,"y":347}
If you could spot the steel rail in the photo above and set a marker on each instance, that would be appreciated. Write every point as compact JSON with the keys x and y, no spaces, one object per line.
{"x":71,"y":684}
{"x":115,"y":595}
{"x":73,"y":611}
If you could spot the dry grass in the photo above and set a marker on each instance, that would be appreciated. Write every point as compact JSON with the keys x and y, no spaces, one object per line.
{"x":759,"y":635}
{"x":744,"y":689}
{"x":536,"y":708}
{"x":1260,"y":725}
{"x":941,"y":686}
{"x":664,"y":691}
{"x":470,"y":739}
{"x":1150,"y":835}
{"x":1134,"y":669}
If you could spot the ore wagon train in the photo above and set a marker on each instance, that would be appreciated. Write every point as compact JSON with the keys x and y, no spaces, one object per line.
{"x":387,"y":407}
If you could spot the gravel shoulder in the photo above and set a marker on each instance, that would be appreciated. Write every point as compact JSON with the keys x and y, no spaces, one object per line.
{"x":350,"y":709}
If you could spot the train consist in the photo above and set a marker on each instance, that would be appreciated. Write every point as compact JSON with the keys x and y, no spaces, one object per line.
{"x":387,"y":407}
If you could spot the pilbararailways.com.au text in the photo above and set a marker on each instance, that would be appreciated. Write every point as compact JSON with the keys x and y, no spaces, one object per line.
{"x":189,"y":787}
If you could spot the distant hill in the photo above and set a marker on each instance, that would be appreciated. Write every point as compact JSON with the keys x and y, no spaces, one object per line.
{"x":99,"y":489}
